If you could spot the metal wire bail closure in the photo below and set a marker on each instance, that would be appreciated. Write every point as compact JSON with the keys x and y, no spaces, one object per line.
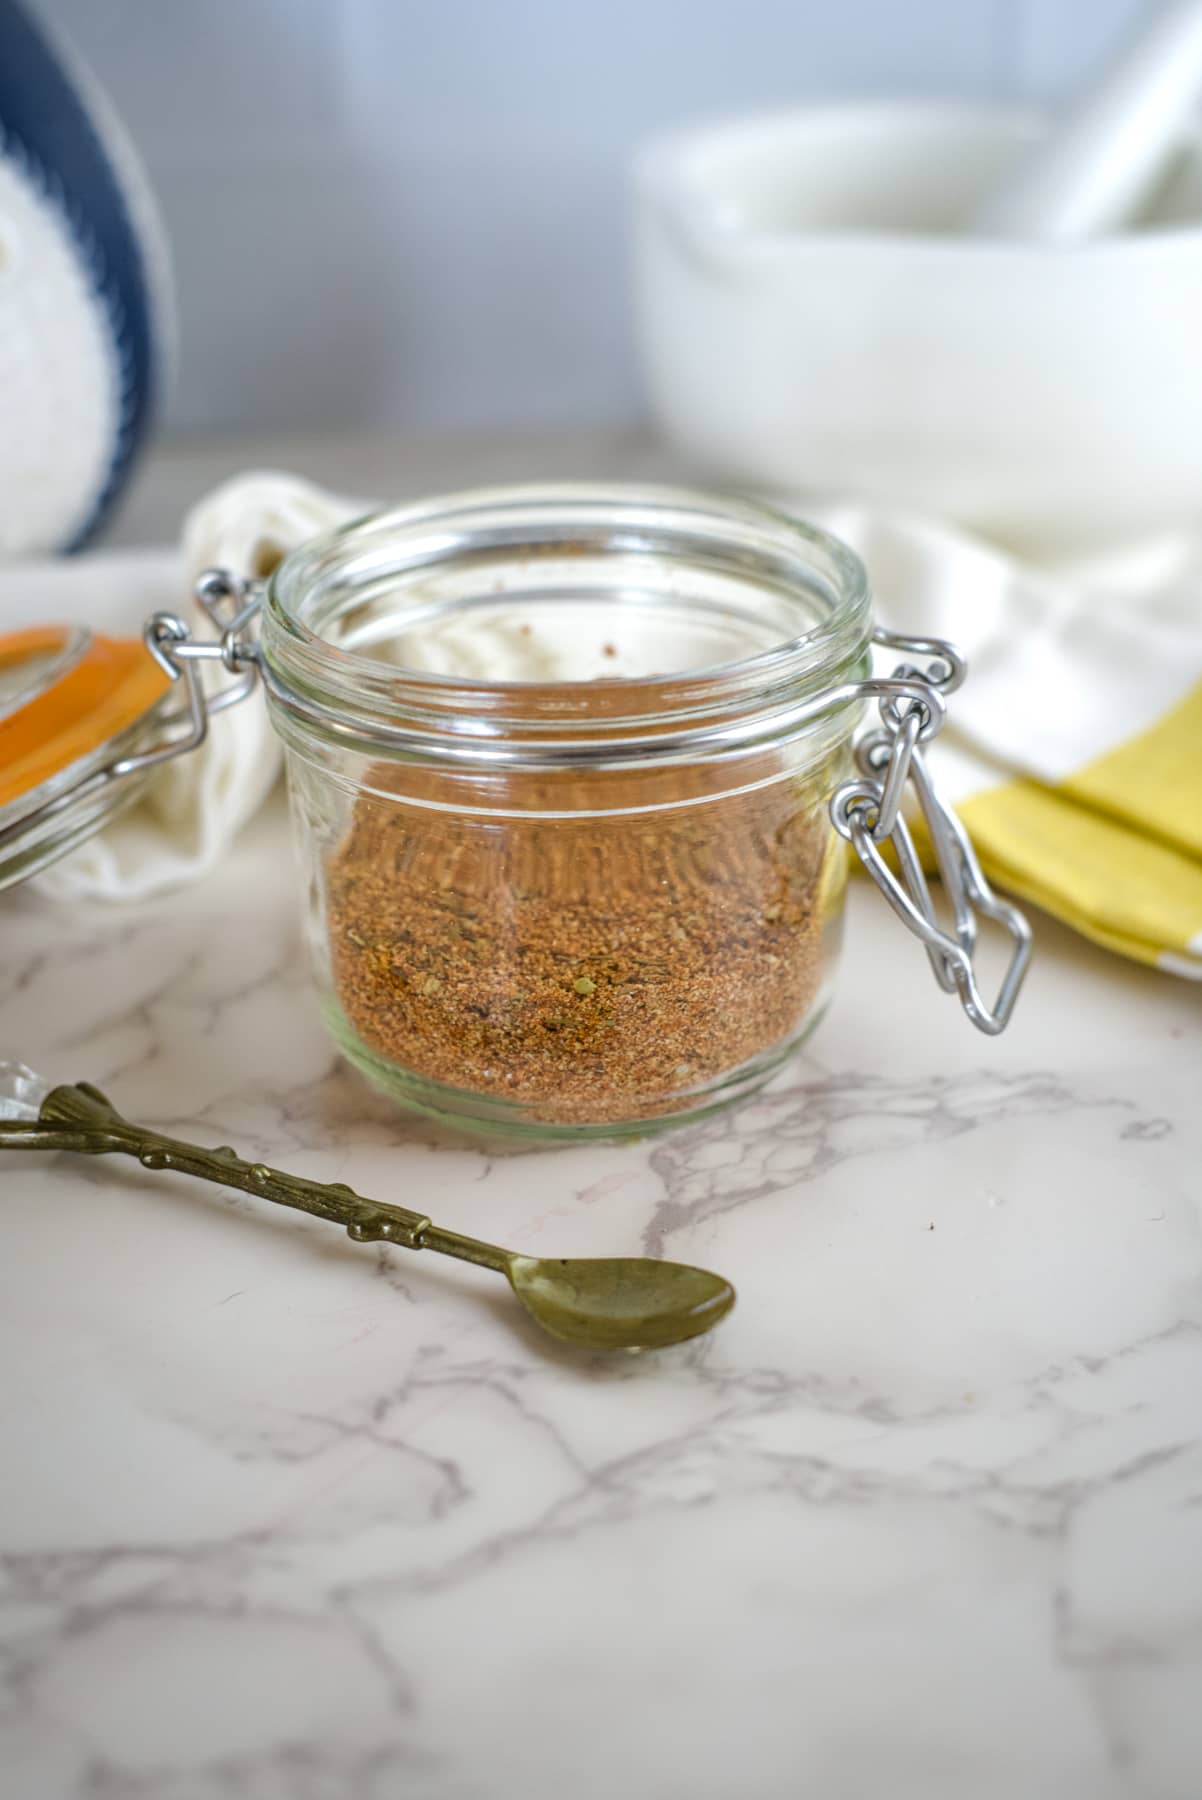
{"x":867,"y":812}
{"x":230,"y":604}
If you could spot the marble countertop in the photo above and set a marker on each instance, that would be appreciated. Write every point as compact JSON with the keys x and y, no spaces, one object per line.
{"x":289,"y":1519}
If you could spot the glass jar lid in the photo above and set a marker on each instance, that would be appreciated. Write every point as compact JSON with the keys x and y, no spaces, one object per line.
{"x":84,"y":718}
{"x":71,"y":702}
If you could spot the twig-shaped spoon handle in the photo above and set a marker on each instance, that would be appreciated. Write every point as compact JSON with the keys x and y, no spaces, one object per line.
{"x":608,"y":1303}
{"x":82,"y":1119}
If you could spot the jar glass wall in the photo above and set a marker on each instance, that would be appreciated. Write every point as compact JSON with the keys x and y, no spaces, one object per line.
{"x":560,"y":791}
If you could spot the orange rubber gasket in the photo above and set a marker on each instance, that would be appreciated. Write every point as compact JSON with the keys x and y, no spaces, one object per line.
{"x":19,"y":646}
{"x":115,"y":682}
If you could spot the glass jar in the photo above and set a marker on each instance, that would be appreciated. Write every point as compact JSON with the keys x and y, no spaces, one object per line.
{"x":602,"y":897}
{"x":571,"y":771}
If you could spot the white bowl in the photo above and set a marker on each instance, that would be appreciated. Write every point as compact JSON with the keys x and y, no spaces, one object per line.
{"x":811,"y":320}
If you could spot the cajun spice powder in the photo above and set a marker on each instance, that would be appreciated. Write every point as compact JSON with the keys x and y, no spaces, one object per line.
{"x":583,"y":961}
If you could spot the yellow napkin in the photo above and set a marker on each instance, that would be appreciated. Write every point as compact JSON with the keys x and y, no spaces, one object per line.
{"x":1074,"y":751}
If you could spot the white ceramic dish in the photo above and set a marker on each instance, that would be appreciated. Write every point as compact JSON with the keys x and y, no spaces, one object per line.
{"x":811,"y":320}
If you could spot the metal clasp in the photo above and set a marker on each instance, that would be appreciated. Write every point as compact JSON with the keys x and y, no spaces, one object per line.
{"x":867,"y":811}
{"x":231,"y":605}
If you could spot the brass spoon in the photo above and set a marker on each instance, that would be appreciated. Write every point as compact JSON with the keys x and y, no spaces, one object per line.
{"x":600,"y":1303}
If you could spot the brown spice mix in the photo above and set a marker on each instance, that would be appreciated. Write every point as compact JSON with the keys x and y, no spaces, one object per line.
{"x":587,"y":969}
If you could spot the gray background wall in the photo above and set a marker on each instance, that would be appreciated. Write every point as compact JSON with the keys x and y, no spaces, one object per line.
{"x":413,"y":213}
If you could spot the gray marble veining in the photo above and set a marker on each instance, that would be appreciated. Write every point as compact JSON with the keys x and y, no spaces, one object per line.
{"x":285,"y":1519}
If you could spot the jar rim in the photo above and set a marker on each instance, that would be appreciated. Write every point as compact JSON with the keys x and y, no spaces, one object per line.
{"x":808,"y":572}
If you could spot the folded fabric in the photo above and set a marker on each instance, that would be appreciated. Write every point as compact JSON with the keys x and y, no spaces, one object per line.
{"x":1073,"y":753}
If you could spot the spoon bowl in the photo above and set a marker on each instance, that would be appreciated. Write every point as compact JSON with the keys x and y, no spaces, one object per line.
{"x":619,"y":1302}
